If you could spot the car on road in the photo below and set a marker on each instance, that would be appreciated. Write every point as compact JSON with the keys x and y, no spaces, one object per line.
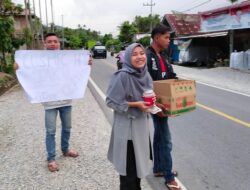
{"x":99,"y":52}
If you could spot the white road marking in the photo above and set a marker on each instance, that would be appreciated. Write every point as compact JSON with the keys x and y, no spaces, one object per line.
{"x":98,"y":90}
{"x":210,"y":85}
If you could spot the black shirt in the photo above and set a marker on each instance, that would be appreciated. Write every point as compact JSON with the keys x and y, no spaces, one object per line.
{"x":154,"y":66}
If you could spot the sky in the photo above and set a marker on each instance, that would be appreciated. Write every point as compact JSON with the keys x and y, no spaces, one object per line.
{"x":106,"y":15}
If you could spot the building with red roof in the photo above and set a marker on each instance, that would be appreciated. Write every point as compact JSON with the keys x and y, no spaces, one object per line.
{"x":226,"y":28}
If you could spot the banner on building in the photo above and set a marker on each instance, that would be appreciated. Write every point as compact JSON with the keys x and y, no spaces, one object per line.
{"x":239,"y":20}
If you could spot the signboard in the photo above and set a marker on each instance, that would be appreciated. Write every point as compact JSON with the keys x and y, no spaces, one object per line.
{"x":226,"y":22}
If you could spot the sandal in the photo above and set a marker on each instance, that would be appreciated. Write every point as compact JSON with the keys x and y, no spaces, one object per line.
{"x":53,"y":166}
{"x":71,"y":153}
{"x":161,"y":174}
{"x":172,"y":185}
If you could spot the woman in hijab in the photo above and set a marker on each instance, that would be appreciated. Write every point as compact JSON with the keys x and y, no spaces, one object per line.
{"x":129,"y":149}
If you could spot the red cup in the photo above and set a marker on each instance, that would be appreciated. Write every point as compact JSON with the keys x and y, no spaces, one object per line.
{"x":148,"y":97}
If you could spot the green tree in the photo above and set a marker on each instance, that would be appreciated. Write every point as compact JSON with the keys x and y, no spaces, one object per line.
{"x":91,"y":44}
{"x":75,"y":42}
{"x":106,"y":38}
{"x":127,"y":32}
{"x":6,"y":36}
{"x":143,"y":23}
{"x":8,"y":8}
{"x":114,"y":42}
{"x":145,"y":41}
{"x":79,"y":38}
{"x":8,"y":41}
{"x":28,"y":38}
{"x":36,"y":31}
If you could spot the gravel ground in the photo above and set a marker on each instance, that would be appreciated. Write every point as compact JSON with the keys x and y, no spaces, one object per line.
{"x":224,"y":77}
{"x":22,"y":149}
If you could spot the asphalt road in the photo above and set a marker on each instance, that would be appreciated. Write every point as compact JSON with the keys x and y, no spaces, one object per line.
{"x":211,"y":145}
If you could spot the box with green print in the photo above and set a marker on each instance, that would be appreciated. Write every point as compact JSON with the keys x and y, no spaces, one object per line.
{"x":177,"y":95}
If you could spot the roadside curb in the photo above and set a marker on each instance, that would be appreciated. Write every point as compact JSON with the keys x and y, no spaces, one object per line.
{"x":7,"y":85}
{"x":100,"y":98}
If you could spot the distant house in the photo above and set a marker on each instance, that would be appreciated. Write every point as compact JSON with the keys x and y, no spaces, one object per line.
{"x":189,"y":44}
{"x":187,"y":26}
{"x":209,"y":35}
{"x":183,"y":24}
{"x":234,"y":18}
{"x":20,"y":23}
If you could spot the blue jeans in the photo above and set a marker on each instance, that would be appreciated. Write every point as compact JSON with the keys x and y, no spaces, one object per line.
{"x":50,"y":125}
{"x":162,"y":147}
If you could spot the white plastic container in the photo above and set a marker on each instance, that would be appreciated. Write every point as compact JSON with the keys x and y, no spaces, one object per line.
{"x":239,"y":60}
{"x":247,"y":59}
{"x":232,"y":60}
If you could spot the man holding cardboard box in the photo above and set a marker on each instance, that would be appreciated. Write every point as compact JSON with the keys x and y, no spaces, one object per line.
{"x":160,"y":69}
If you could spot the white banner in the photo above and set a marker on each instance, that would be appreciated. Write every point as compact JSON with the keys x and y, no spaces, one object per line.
{"x":52,"y":75}
{"x":226,"y":22}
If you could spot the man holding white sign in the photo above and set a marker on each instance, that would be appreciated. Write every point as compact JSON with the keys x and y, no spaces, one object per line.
{"x":54,"y":78}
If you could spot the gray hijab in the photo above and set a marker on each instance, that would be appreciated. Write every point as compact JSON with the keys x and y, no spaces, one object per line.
{"x":129,"y":83}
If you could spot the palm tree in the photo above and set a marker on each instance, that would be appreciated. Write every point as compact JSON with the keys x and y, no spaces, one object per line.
{"x":27,"y":13}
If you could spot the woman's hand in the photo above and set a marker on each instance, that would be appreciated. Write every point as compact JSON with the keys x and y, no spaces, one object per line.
{"x":154,"y":99}
{"x":141,"y":105}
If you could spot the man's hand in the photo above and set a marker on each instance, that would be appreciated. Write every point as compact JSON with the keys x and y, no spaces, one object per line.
{"x":161,"y":114}
{"x":90,"y":60}
{"x":15,"y":66}
{"x":160,"y":106}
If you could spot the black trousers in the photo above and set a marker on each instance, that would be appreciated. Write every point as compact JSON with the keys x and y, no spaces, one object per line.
{"x":130,"y":181}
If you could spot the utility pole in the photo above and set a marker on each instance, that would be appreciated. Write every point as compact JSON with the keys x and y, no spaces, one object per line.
{"x":29,"y":20}
{"x":151,"y":4}
{"x":30,"y":14}
{"x":40,"y":15}
{"x":34,"y":8}
{"x":31,"y":25}
{"x":46,"y":12}
{"x":62,"y":34}
{"x":34,"y":26}
{"x":52,"y":15}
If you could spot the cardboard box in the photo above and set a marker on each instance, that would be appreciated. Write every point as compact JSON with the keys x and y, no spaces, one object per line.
{"x":177,"y":95}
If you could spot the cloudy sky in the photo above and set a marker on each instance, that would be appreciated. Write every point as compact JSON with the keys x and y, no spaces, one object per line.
{"x":106,"y":15}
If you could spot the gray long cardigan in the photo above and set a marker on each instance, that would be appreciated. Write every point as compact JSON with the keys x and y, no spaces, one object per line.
{"x":128,"y":128}
{"x":128,"y":85}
